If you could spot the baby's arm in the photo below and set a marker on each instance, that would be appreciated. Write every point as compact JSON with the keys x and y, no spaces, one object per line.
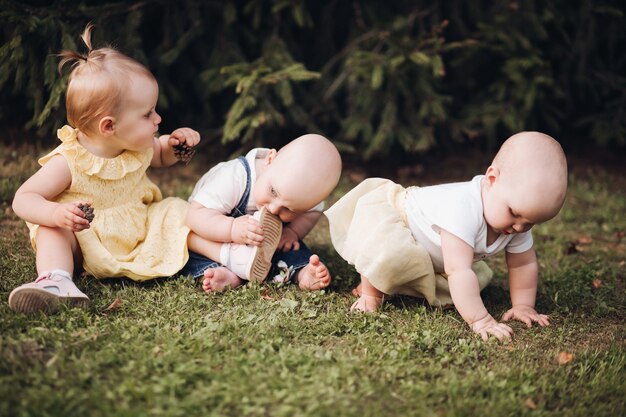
{"x":32,"y":200}
{"x":214,"y":226}
{"x":464,"y":289}
{"x":297,"y":229}
{"x":523,"y":275}
{"x":163,"y":146}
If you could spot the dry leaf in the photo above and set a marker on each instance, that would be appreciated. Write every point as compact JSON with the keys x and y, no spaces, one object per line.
{"x":265,"y":295}
{"x":116,"y":304}
{"x":565,"y":358}
{"x":597,"y":283}
{"x":584,"y":240}
{"x":530,"y":404}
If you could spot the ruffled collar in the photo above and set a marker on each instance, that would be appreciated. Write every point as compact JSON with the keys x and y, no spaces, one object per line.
{"x":105,"y":168}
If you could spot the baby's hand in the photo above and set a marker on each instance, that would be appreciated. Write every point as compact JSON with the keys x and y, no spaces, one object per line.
{"x":288,"y":240}
{"x":489,"y":326}
{"x":526,"y":314}
{"x":70,"y":216}
{"x":184,"y":135}
{"x":246,"y":230}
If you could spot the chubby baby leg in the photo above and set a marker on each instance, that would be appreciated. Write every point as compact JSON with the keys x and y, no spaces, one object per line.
{"x":56,"y":249}
{"x":370,"y":298}
{"x":220,"y":279}
{"x":314,"y":276}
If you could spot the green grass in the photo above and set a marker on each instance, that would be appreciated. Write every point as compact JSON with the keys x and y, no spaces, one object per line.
{"x":270,"y":350}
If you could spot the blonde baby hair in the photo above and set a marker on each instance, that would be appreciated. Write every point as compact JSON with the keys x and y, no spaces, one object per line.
{"x":97,"y":82}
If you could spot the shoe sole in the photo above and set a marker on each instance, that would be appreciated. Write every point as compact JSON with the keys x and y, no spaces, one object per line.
{"x":34,"y":300}
{"x":262,"y":255}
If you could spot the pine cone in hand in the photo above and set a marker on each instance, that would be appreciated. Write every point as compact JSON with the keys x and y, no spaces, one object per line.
{"x":183,"y":153}
{"x":88,"y":210}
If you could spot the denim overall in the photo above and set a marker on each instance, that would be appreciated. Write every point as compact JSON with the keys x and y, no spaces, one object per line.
{"x":295,"y":259}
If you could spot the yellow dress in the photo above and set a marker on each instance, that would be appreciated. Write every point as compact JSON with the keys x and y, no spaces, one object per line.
{"x":135,"y":233}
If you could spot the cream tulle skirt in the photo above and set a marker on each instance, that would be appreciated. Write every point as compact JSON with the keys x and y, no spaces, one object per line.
{"x":368,"y":229}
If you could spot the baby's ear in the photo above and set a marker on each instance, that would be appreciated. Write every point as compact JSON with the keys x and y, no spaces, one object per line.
{"x":491,"y":174}
{"x":106,"y":126}
{"x":271,"y":155}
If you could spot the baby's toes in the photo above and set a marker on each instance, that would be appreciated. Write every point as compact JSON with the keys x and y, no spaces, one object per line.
{"x":206,"y":283}
{"x":321,"y":271}
{"x":322,"y":275}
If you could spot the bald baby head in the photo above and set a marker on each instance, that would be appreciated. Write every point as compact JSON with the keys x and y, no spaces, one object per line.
{"x":534,"y":165}
{"x":298,"y":177}
{"x":313,"y":164}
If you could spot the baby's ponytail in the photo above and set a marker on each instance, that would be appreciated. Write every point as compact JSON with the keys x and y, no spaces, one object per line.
{"x":76,"y":57}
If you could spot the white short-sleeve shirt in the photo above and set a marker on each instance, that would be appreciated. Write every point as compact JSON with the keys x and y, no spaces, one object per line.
{"x":224,"y":185}
{"x":458,"y":209}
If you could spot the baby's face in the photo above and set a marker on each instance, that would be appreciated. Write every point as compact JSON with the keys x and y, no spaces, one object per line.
{"x":137,"y":120}
{"x":281,"y":193}
{"x":503,"y":216}
{"x":514,"y":208}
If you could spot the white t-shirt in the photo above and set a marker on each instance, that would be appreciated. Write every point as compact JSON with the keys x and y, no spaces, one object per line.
{"x":223,"y":186}
{"x":458,"y":209}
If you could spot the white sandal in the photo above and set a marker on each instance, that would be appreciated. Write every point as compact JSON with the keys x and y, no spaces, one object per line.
{"x":46,"y":294}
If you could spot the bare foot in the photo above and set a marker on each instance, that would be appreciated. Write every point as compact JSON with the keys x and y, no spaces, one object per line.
{"x":218,"y":279}
{"x":314,"y":276}
{"x":356,"y":291}
{"x":367,"y":303}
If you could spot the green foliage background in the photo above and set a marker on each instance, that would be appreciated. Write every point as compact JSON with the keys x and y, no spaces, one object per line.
{"x":378,"y":78}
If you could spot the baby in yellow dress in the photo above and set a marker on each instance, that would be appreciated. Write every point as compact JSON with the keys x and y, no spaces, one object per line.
{"x":91,"y":202}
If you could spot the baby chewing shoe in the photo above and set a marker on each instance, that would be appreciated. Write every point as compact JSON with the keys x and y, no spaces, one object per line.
{"x":46,"y":294}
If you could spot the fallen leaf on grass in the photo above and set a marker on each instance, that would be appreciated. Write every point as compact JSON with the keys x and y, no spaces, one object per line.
{"x":265,"y":295}
{"x":578,"y":245}
{"x":530,"y":404}
{"x":565,"y":358}
{"x":115,"y":305}
{"x":597,"y":283}
{"x":584,"y":240}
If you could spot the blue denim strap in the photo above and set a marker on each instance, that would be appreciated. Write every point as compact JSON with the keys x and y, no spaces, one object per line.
{"x":240,"y":210}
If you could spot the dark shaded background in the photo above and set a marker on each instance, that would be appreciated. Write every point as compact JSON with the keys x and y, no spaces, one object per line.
{"x":387,"y":81}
